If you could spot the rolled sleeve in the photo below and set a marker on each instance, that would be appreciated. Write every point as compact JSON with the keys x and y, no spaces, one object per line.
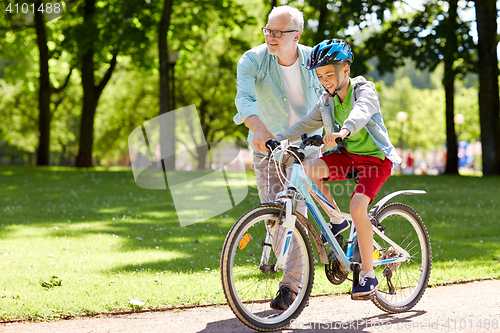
{"x":246,"y":101}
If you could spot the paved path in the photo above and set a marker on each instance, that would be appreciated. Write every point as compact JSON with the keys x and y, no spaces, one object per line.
{"x":472,"y":307}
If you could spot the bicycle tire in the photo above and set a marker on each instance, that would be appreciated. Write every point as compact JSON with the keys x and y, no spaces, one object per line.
{"x":248,"y":290}
{"x":409,"y":279}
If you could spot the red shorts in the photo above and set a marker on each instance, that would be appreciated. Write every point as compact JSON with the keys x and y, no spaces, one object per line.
{"x":373,"y":171}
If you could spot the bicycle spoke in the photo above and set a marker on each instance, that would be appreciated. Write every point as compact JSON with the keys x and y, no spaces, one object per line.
{"x":248,"y":288}
{"x":409,"y":278}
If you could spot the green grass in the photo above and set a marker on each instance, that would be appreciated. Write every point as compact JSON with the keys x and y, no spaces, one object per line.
{"x":110,"y":241}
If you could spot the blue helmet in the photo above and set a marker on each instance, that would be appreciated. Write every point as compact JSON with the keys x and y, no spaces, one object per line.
{"x":328,"y":52}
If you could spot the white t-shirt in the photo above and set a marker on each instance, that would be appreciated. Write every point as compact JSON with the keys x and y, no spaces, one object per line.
{"x":293,"y":86}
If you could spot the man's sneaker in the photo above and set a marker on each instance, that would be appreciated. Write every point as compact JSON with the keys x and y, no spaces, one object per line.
{"x":365,"y":287}
{"x":284,"y":298}
{"x":336,"y":229}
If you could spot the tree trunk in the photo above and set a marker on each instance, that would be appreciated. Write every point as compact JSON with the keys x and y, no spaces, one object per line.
{"x":91,"y":92}
{"x":43,"y":155}
{"x":449,"y":87}
{"x":167,"y":135}
{"x":451,"y":137}
{"x":202,"y":152}
{"x":84,"y":158}
{"x":489,"y":103}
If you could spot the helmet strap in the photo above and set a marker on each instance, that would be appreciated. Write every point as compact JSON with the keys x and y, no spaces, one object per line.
{"x":342,"y":86}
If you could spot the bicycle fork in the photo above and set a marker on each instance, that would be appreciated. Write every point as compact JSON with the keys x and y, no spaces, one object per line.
{"x":288,"y":226}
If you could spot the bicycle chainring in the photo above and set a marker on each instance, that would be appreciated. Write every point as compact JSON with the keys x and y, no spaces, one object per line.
{"x":332,"y":270}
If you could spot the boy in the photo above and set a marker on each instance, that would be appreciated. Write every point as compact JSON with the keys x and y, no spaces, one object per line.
{"x":352,"y":103}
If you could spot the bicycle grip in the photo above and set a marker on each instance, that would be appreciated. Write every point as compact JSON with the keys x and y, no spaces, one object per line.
{"x":315,"y":140}
{"x":272,"y":144}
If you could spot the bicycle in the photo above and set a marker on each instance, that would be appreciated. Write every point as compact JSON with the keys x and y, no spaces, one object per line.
{"x":251,"y":267}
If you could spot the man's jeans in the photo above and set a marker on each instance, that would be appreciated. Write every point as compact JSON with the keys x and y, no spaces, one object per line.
{"x":267,"y":193}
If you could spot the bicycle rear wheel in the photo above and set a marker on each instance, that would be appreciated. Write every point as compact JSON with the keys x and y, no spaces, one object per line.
{"x":401,"y":285}
{"x":250,"y":289}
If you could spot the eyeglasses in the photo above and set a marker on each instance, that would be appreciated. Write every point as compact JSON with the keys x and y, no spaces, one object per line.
{"x":276,"y":33}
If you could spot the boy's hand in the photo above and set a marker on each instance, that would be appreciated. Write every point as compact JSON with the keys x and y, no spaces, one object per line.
{"x":330,"y":138}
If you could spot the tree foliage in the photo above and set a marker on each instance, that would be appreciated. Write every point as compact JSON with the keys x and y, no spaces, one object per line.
{"x":130,"y":99}
{"x":216,"y":39}
{"x":211,"y":36}
{"x":424,"y":36}
{"x":431,"y":36}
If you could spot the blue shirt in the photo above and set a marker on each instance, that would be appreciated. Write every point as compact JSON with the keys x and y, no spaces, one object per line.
{"x":261,"y":89}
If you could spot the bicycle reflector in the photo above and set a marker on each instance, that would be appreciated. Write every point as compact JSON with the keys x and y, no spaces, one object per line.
{"x":244,"y":241}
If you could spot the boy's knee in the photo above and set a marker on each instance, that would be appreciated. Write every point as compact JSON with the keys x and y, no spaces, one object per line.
{"x":355,"y":210}
{"x":359,"y":204}
{"x":316,"y":170}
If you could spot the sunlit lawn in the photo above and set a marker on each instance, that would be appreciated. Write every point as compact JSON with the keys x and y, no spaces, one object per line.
{"x":110,"y":241}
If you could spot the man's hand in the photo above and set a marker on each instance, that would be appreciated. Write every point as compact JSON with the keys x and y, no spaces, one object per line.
{"x":260,"y":138}
{"x":261,"y":133}
{"x":330,"y":138}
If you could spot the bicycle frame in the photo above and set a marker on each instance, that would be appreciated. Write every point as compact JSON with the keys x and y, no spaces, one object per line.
{"x":283,"y":238}
{"x":299,"y":182}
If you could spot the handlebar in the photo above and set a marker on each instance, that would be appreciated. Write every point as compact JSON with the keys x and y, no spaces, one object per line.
{"x":315,"y":140}
{"x":272,"y":144}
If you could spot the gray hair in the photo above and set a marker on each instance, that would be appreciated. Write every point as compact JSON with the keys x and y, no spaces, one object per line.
{"x":296,"y":16}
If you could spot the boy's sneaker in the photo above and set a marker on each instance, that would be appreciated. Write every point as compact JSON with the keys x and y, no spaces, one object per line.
{"x":365,"y":287}
{"x":336,"y":229}
{"x":284,"y":298}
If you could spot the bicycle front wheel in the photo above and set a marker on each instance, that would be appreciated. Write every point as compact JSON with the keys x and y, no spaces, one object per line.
{"x":248,"y":285}
{"x":401,"y":285}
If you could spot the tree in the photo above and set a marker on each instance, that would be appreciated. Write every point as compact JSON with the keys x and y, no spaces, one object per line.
{"x":18,"y":91}
{"x":168,"y":134}
{"x":424,"y":128}
{"x":432,"y":36}
{"x":213,"y":94}
{"x":34,"y":24}
{"x":486,"y":16}
{"x":19,"y":110}
{"x":45,"y":89}
{"x":114,"y":36}
{"x":107,"y":29}
{"x":210,"y":38}
{"x":207,"y":72}
{"x":329,"y":19}
{"x":91,"y":91}
{"x":130,"y":99}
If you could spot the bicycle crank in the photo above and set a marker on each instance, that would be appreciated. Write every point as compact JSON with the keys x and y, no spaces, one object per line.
{"x":332,"y":269}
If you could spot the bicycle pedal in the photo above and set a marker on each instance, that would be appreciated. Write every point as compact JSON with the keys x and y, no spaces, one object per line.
{"x":368,"y":297}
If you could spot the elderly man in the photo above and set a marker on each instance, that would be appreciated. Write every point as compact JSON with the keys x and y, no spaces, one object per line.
{"x":274,"y":92}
